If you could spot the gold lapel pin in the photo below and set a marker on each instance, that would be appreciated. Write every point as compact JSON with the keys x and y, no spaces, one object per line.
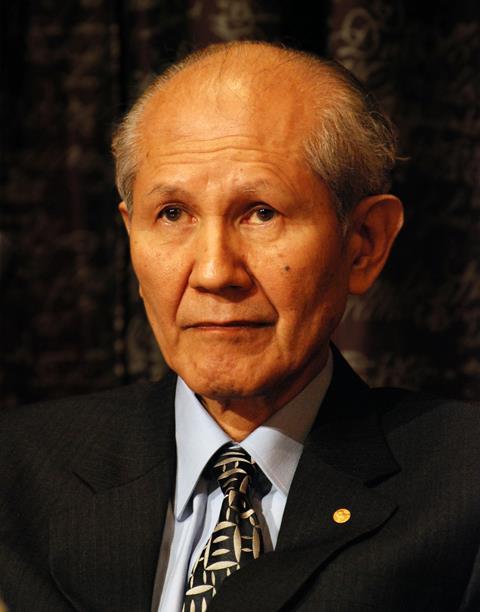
{"x":342,"y":515}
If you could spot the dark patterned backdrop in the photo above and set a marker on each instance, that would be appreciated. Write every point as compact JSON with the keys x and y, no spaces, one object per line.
{"x":71,"y":320}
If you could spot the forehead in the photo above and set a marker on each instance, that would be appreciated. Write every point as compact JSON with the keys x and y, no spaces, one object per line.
{"x":264,"y":105}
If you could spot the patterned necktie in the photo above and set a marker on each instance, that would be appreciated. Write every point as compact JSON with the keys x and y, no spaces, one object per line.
{"x":236,"y":538}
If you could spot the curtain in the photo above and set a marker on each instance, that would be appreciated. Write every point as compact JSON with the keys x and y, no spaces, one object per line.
{"x":71,"y":319}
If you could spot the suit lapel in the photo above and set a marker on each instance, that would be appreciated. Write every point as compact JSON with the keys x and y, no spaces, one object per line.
{"x":104,"y":552}
{"x":344,"y":455}
{"x":275,"y":581}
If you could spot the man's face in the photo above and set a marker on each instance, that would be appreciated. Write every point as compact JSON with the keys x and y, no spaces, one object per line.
{"x":235,"y":243}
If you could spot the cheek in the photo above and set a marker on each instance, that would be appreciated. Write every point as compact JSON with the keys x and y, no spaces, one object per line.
{"x":158,"y":276}
{"x":307,"y":290}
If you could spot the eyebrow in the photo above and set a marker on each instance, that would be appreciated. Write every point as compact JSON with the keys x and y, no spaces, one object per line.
{"x":167,"y":190}
{"x":255,"y":186}
{"x":173,"y":190}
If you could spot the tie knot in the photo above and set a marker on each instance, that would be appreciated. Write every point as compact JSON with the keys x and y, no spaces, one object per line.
{"x":234,"y":469}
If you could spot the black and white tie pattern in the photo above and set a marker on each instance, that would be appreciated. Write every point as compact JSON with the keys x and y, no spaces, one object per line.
{"x":236,"y":538}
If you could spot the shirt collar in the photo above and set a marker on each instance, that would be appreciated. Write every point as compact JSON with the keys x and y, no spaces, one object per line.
{"x":276,"y":445}
{"x":198,"y":437}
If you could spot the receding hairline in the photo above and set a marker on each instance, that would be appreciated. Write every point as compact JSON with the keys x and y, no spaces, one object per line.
{"x":242,"y":58}
{"x":256,"y":61}
{"x":331,"y":89}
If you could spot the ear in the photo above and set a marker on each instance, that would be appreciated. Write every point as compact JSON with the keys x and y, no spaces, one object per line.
{"x":373,"y":227}
{"x":122,"y":207}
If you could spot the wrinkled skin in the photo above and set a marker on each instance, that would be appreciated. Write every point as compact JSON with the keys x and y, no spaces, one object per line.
{"x":243,"y":265}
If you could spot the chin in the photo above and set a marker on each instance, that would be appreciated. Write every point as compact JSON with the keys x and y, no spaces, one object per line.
{"x":224,"y":390}
{"x":223,"y":386}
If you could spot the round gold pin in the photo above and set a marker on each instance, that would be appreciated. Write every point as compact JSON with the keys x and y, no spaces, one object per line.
{"x":342,"y":515}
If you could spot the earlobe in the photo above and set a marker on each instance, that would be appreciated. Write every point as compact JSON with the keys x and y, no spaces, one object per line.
{"x":123,"y":209}
{"x":374,"y":225}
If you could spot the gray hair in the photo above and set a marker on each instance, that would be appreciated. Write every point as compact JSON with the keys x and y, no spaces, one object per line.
{"x":352,"y":146}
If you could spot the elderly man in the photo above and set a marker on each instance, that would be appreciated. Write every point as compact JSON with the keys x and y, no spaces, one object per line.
{"x":262,"y":474}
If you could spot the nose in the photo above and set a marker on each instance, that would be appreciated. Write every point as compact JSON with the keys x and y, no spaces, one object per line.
{"x":219,"y":262}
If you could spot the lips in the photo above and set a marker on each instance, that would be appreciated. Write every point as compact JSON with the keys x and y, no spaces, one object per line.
{"x":228,"y":324}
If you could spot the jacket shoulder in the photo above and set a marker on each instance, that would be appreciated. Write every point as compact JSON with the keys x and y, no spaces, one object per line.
{"x":49,"y":420}
{"x":435,"y":441}
{"x":403,"y":410}
{"x":127,"y":397}
{"x":41,"y":443}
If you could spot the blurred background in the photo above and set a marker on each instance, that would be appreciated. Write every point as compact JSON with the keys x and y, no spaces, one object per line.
{"x":70,"y":317}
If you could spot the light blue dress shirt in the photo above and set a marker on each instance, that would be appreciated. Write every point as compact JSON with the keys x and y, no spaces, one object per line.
{"x":276,"y":446}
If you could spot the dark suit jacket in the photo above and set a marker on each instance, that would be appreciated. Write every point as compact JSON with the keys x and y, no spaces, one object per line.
{"x":85,"y":483}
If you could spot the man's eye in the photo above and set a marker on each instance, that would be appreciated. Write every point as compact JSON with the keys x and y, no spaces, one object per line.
{"x":171,"y":213}
{"x":261,"y":215}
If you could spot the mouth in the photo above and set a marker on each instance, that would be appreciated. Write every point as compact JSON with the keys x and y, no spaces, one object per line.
{"x":229,"y":325}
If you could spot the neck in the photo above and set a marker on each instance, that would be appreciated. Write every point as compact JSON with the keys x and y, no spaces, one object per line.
{"x":238,"y":417}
